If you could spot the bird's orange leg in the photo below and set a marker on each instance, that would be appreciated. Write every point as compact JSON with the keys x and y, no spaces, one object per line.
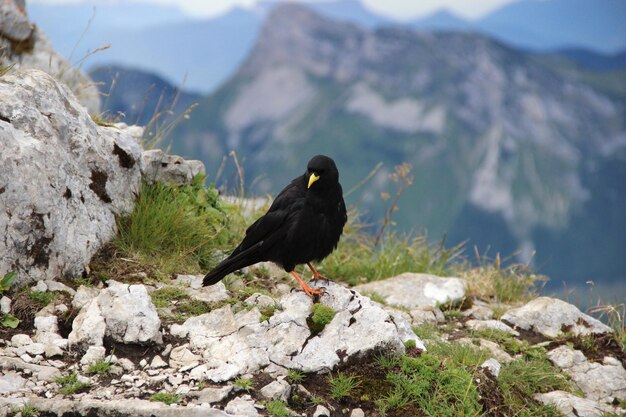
{"x":316,"y":275}
{"x":312,"y":292}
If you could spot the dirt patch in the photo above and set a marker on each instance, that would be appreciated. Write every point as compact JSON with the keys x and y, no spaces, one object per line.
{"x":98,"y":185}
{"x":109,"y":263}
{"x":490,"y":395}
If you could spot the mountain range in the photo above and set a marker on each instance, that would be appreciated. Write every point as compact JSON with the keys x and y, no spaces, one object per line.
{"x":517,"y":151}
{"x":200,"y":54}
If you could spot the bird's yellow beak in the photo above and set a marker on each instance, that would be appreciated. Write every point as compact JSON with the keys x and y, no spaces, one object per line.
{"x":312,"y":179}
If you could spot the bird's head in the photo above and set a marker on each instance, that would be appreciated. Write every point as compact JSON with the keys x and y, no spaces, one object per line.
{"x":321,"y":172}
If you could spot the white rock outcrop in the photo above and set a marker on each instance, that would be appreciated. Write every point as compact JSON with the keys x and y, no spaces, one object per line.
{"x":237,"y":343}
{"x":572,"y":406}
{"x":552,"y":317}
{"x":123,"y":312}
{"x":62,"y":178}
{"x":599,"y":381}
{"x":413,"y":290}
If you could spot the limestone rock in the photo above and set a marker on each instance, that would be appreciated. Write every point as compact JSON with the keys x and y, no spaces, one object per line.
{"x":276,"y":390}
{"x":214,"y":395}
{"x":321,"y":411}
{"x":599,"y":382}
{"x":412,"y":290}
{"x":63,"y":178}
{"x":573,"y":406}
{"x":156,"y":165}
{"x":493,"y":366}
{"x":490,"y":325}
{"x":84,"y":295}
{"x":232,"y":344}
{"x":14,"y":24}
{"x":93,"y":354}
{"x":242,"y":406}
{"x":123,"y":312}
{"x":5,"y":305}
{"x":11,"y":382}
{"x":551,"y":316}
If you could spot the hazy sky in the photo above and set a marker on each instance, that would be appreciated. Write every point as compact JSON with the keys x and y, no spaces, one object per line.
{"x":400,"y":9}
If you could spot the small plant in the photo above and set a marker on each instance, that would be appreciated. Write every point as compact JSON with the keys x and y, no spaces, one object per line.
{"x":374,"y":296}
{"x":244,"y":384}
{"x":295,"y":376}
{"x":163,"y":297}
{"x":342,"y":385}
{"x":166,"y":398}
{"x":8,"y":320}
{"x":321,"y":315}
{"x":387,"y":361}
{"x":267,"y":312}
{"x":71,"y":385}
{"x":452,"y":314}
{"x":409,"y":344}
{"x":99,"y":367}
{"x":26,"y":411}
{"x":277,"y":408}
{"x":43,"y":298}
{"x":426,"y":331}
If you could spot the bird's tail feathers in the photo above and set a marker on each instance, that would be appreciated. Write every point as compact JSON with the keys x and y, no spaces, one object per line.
{"x":231,"y":264}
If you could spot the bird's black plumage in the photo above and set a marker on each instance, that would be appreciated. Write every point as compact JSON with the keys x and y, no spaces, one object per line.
{"x":303,"y":224}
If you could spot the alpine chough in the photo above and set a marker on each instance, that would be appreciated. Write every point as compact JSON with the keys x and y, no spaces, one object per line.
{"x":302,"y":225}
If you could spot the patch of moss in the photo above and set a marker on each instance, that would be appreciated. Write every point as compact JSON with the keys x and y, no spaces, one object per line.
{"x":320,"y":316}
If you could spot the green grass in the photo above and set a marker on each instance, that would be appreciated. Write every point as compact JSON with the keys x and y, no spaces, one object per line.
{"x":178,"y":228}
{"x":244,"y":384}
{"x":25,"y":411}
{"x":294,"y":375}
{"x":321,"y":315}
{"x":163,"y":297}
{"x":42,"y":299}
{"x":70,"y":384}
{"x":267,"y":312}
{"x":166,"y":398}
{"x":521,"y":379}
{"x":427,"y":331}
{"x":358,"y":259}
{"x":277,"y":408}
{"x":342,"y":385}
{"x":99,"y":367}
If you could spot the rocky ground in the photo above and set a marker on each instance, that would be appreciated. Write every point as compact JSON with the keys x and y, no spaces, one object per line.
{"x":110,"y":351}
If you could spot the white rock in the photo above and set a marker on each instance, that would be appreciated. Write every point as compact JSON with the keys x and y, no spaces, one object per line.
{"x":35,"y":348}
{"x":60,"y":287}
{"x":572,"y":406}
{"x":40,"y":287}
{"x":357,"y":412}
{"x":182,"y":356}
{"x":276,"y":390}
{"x":321,"y":411}
{"x":20,"y":340}
{"x":123,"y":312}
{"x":84,"y":295}
{"x":47,"y":324}
{"x":5,"y":305}
{"x":412,"y":290}
{"x":26,"y":358}
{"x":493,"y":366}
{"x":156,"y":165}
{"x":549,"y":316}
{"x":157,"y":362}
{"x":242,"y":406}
{"x":69,"y":178}
{"x":479,"y":312}
{"x":93,"y":354}
{"x":599,"y":382}
{"x":260,"y":300}
{"x":175,"y":380}
{"x":52,"y":350}
{"x":493,"y":348}
{"x":426,"y":314}
{"x":126,"y":364}
{"x":11,"y":382}
{"x":198,"y":373}
{"x":490,"y":325}
{"x":214,"y":395}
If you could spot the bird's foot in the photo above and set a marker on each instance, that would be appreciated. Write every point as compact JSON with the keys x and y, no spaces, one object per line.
{"x":317,"y":275}
{"x":314,"y":293}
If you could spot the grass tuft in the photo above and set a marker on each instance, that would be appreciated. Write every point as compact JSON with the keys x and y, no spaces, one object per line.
{"x":277,"y":408}
{"x":70,"y":384}
{"x":178,"y":228}
{"x":321,"y":315}
{"x":294,"y":375}
{"x":342,"y":385}
{"x":99,"y":367}
{"x":244,"y":384}
{"x":166,"y":398}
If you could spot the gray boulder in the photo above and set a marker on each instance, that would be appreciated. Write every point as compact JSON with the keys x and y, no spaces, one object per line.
{"x":156,"y":165}
{"x":62,"y":178}
{"x":599,"y":381}
{"x":572,"y":406}
{"x":232,"y":344}
{"x":123,"y":312}
{"x":551,"y":316}
{"x":412,"y":290}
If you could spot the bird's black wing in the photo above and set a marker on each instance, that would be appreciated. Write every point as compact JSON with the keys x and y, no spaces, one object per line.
{"x":260,"y":236}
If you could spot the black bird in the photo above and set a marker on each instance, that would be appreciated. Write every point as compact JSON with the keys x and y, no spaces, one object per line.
{"x":302,"y":225}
